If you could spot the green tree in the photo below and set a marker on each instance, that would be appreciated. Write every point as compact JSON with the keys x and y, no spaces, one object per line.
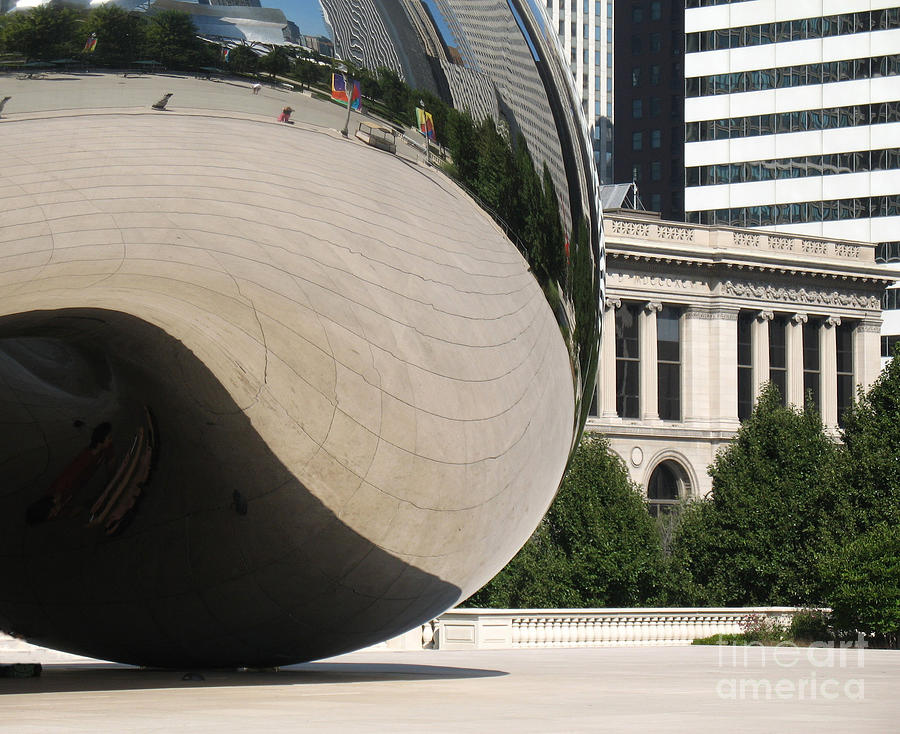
{"x":870,"y":465}
{"x":120,"y":34}
{"x":597,"y":545}
{"x":308,"y":72}
{"x":553,"y":254}
{"x":496,"y":184}
{"x":462,"y":141}
{"x":275,"y":62}
{"x":863,"y":581}
{"x":42,"y":33}
{"x":529,"y":206}
{"x":395,"y":95}
{"x":172,"y":39}
{"x":243,"y":60}
{"x":771,"y":514}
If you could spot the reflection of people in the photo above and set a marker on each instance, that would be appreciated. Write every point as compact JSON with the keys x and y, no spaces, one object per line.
{"x":76,"y":475}
{"x":285,"y":115}
{"x":125,"y":488}
{"x":256,"y":87}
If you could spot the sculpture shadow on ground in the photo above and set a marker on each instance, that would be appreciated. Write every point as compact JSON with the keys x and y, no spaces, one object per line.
{"x":102,"y":677}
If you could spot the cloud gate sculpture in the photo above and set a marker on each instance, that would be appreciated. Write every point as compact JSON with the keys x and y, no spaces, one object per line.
{"x":268,"y":394}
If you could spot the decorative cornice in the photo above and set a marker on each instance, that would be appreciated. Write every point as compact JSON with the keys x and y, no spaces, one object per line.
{"x":818,"y":297}
{"x":656,"y":281}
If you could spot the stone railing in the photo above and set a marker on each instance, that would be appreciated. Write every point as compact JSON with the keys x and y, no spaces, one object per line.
{"x":467,"y":629}
{"x":500,"y":629}
{"x":647,"y":229}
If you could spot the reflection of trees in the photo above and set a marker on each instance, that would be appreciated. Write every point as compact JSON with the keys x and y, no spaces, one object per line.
{"x":52,"y":32}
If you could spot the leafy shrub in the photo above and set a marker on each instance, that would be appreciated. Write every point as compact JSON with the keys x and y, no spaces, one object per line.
{"x":811,"y":625}
{"x":864,"y":581}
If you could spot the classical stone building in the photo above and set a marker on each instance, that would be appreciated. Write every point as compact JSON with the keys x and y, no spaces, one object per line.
{"x":698,"y":318}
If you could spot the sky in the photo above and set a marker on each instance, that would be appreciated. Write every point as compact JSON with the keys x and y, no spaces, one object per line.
{"x":307,"y":14}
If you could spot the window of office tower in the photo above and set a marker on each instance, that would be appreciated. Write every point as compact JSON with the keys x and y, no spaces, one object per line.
{"x":844,"y":339}
{"x":745,"y":366}
{"x":668,"y":353}
{"x":778,"y":355}
{"x":628,"y":363}
{"x":811,"y":364}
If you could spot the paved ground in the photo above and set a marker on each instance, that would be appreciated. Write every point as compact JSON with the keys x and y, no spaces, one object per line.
{"x":66,"y":93}
{"x":620,"y":690}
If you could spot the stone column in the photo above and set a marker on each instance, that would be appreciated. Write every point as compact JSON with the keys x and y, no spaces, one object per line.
{"x":795,"y":359}
{"x":607,"y":407}
{"x":759,"y":338}
{"x":695,"y":359}
{"x":828,"y":371}
{"x":649,"y":373}
{"x":867,"y":351}
{"x":723,"y":368}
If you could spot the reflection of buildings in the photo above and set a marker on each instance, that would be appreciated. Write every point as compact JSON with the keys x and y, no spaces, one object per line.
{"x":218,"y":20}
{"x":360,"y":34}
{"x":240,"y":21}
{"x":495,"y":47}
{"x":697,"y":319}
{"x":585,"y":35}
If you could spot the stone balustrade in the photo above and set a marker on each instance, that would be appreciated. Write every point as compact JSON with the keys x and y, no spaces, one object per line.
{"x":463,"y":629}
{"x":648,"y":229}
{"x":474,"y":629}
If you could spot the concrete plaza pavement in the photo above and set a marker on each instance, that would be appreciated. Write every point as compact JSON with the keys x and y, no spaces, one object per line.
{"x":65,"y":93}
{"x":675,"y":689}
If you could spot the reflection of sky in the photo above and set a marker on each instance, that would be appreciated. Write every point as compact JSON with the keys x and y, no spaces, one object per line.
{"x":443,"y":28}
{"x":537,"y":10}
{"x":307,"y":14}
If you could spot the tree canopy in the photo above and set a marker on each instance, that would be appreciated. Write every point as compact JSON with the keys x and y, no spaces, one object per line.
{"x":597,"y":546}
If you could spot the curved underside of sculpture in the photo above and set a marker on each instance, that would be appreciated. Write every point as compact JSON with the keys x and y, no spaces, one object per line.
{"x":266,"y":395}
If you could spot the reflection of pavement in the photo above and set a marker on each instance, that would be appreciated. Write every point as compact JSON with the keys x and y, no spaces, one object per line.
{"x":616,"y":690}
{"x":61,"y":92}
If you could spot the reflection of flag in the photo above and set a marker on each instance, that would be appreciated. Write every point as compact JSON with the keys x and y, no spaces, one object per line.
{"x":425,"y":122}
{"x":225,"y":52}
{"x":91,"y":44}
{"x":339,"y":90}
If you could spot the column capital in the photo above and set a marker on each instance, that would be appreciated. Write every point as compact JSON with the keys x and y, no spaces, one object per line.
{"x":652,"y":306}
{"x":612,"y":303}
{"x":832,"y":321}
{"x":799,"y":318}
{"x":765,"y":315}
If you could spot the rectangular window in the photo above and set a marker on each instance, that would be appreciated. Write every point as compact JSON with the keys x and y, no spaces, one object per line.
{"x":656,"y":139}
{"x":655,"y":171}
{"x":844,"y":339}
{"x":628,"y":362}
{"x":668,"y":353}
{"x":745,"y":366}
{"x":778,"y":355}
{"x":637,"y":109}
{"x":811,"y":364}
{"x":637,"y":141}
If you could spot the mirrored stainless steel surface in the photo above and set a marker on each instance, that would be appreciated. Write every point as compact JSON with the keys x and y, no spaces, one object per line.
{"x":281,"y":378}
